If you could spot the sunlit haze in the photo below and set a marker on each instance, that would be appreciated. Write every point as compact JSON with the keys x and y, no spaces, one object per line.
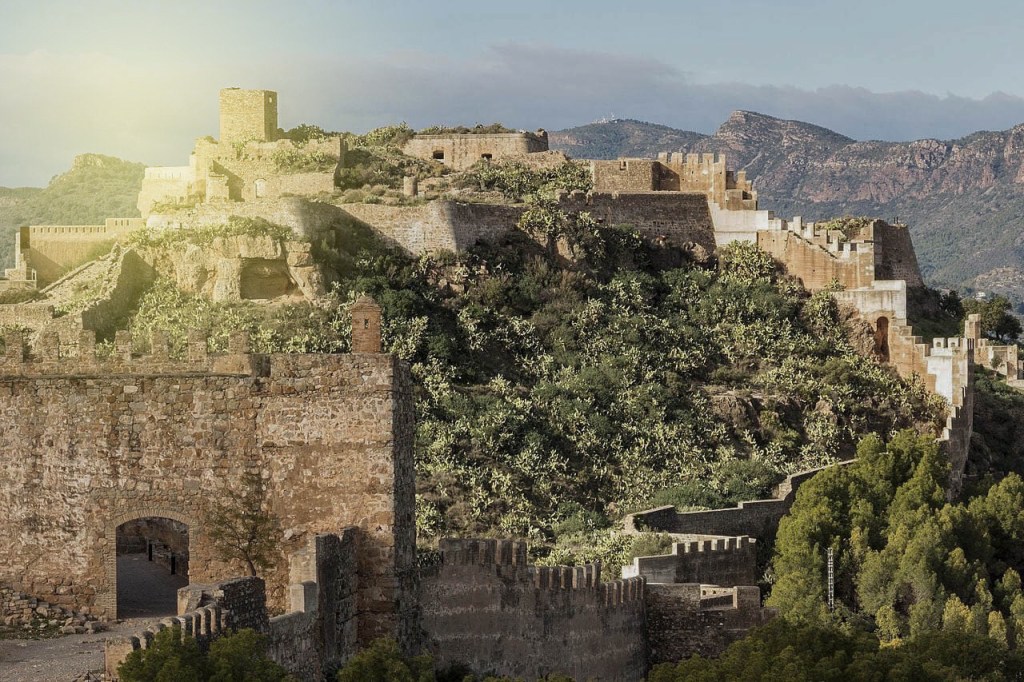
{"x":139,"y":80}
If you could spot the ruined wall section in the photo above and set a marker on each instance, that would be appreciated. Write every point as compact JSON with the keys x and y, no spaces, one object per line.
{"x":102,"y":442}
{"x":318,"y":632}
{"x":485,"y":607}
{"x":895,"y":258}
{"x":757,"y":518}
{"x":677,"y":218}
{"x":461,"y":151}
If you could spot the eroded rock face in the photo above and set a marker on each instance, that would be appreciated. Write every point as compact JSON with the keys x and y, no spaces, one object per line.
{"x":246,"y":268}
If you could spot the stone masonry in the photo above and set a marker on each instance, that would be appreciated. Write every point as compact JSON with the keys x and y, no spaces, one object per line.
{"x":96,"y":442}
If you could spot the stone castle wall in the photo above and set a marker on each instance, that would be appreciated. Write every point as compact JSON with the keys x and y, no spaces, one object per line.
{"x":104,"y":442}
{"x":688,"y":619}
{"x":673,"y":217}
{"x":463,"y":151}
{"x":53,"y":250}
{"x":723,"y":561}
{"x":482,"y":605}
{"x":689,"y":173}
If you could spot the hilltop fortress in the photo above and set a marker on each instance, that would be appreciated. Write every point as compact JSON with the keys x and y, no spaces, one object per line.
{"x":138,"y":448}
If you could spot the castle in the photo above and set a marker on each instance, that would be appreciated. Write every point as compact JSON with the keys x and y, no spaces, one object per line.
{"x":137,"y":449}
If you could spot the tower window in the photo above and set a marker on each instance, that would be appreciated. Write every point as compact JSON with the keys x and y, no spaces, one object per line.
{"x":438,"y":155}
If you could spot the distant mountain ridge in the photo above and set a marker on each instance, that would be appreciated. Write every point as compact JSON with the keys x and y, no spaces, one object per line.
{"x":963,"y":199}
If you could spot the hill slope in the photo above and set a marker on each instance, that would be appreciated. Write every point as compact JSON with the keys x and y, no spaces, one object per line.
{"x":95,"y":188}
{"x":964,"y":199}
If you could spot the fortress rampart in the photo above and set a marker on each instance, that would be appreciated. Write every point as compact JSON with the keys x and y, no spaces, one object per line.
{"x":52,"y":250}
{"x":316,"y":634}
{"x":103,"y":441}
{"x":721,"y":561}
{"x":688,"y":619}
{"x":482,"y":605}
{"x":461,"y":151}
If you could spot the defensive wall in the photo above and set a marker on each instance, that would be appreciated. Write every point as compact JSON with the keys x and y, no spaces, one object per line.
{"x":484,"y":606}
{"x":52,"y":250}
{"x":756,"y":518}
{"x":721,"y":561}
{"x":104,"y":441}
{"x":461,"y":151}
{"x":688,"y":619}
{"x":317,"y":633}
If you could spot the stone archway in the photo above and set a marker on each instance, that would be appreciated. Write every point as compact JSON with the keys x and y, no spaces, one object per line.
{"x":109,"y":599}
{"x":881,"y":345}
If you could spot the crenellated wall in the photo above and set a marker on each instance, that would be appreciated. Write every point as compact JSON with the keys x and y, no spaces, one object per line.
{"x":482,"y":605}
{"x":105,"y":440}
{"x":317,"y":634}
{"x":722,"y":561}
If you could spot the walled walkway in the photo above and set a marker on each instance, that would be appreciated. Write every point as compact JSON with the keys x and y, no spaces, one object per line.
{"x":146,"y":594}
{"x":146,"y":590}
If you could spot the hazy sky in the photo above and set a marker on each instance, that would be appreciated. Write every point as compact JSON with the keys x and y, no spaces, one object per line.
{"x":139,"y":79}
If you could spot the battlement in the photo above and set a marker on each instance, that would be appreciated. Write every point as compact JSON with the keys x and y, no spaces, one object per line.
{"x":722,"y":561}
{"x":705,"y":174}
{"x":49,"y":358}
{"x":550,"y":618}
{"x":482,"y":551}
{"x":112,"y":227}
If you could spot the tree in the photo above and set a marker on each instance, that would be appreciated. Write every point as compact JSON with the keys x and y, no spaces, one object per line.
{"x":242,"y":527}
{"x":997,"y":320}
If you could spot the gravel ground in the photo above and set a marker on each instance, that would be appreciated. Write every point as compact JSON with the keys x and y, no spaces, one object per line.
{"x":146,"y":593}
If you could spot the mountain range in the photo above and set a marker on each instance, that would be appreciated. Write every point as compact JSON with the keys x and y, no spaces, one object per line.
{"x":963,"y":199}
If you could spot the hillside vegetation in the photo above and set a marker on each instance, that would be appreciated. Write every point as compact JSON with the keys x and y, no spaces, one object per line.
{"x":96,"y":187}
{"x":553,"y":397}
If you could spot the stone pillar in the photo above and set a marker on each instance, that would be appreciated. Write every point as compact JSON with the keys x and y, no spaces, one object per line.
{"x":410,"y":186}
{"x":972,"y":327}
{"x":365,"y":325}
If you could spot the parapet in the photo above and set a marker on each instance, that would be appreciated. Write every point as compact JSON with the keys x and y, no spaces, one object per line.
{"x":482,"y":551}
{"x":723,"y":561}
{"x":510,"y":558}
{"x":49,"y":358}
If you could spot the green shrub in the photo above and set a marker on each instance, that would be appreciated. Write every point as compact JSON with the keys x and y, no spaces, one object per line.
{"x":172,"y":657}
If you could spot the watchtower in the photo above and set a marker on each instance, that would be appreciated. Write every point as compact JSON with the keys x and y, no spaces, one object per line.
{"x":247,"y":115}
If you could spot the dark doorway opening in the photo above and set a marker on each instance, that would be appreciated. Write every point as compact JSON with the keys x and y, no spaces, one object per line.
{"x":152,"y":563}
{"x":438,"y":155}
{"x":881,"y":347}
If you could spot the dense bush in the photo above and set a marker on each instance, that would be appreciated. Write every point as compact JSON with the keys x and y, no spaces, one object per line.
{"x":599,"y":383}
{"x":517,"y":181}
{"x":239,"y":657}
{"x":203,"y":236}
{"x":478,"y":129}
{"x":784,"y":652}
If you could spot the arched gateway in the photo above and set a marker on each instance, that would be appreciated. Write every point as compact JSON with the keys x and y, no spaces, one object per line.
{"x":150,"y":445}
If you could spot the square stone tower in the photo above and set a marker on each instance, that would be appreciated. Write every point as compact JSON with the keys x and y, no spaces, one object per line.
{"x":247,"y":115}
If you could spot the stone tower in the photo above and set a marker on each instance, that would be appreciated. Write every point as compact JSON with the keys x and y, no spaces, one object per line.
{"x":365,"y":325}
{"x":247,"y":115}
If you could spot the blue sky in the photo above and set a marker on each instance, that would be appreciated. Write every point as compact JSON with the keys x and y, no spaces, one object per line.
{"x":139,"y":79}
